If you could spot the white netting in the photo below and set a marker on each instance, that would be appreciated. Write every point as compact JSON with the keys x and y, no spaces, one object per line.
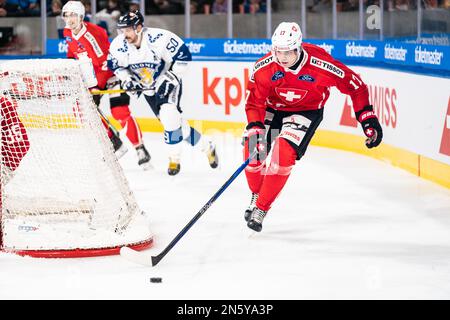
{"x":61,"y":184}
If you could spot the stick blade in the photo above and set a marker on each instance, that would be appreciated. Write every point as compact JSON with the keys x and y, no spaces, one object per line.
{"x":136,"y":256}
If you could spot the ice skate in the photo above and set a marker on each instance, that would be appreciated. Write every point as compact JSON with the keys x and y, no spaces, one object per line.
{"x":144,"y":157}
{"x":256,"y":219}
{"x":174,"y":166}
{"x":211,"y":153}
{"x":119,"y":148}
{"x":251,"y":206}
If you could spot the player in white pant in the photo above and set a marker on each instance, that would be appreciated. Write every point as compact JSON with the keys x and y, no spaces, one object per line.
{"x":154,"y":60}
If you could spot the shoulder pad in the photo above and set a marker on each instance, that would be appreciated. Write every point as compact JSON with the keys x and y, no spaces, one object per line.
{"x":119,"y":44}
{"x":262,"y":63}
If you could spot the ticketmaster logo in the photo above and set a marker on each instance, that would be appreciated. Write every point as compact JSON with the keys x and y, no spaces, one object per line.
{"x":195,"y":48}
{"x":233,"y":47}
{"x":428,"y":57}
{"x":354,"y":50}
{"x":392,"y":53}
{"x":62,"y":47}
{"x":327,"y":47}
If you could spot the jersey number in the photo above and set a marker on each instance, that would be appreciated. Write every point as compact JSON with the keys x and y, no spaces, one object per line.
{"x":172,"y":45}
{"x":105,"y":66}
{"x":355,"y":85}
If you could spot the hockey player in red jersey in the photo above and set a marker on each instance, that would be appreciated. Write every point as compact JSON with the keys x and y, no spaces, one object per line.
{"x":15,"y":143}
{"x":87,"y":41}
{"x":286,"y":94}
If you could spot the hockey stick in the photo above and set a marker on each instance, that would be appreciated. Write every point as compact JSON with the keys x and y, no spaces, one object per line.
{"x":110,"y":125}
{"x":113,"y":91}
{"x":143,"y":259}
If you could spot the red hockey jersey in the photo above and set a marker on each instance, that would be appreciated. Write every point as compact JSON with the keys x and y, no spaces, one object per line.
{"x":306,"y":88}
{"x":15,"y":143}
{"x":92,"y":41}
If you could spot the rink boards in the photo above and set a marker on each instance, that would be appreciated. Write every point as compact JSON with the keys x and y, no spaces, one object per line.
{"x":413,"y":109}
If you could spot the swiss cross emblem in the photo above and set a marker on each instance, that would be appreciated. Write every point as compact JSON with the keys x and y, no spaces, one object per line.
{"x":369,"y":132}
{"x":289,"y":95}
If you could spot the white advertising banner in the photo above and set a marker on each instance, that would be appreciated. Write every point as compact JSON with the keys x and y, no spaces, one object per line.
{"x":414,"y":110}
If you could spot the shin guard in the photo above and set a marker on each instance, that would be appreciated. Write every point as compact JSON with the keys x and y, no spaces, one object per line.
{"x":277,"y":173}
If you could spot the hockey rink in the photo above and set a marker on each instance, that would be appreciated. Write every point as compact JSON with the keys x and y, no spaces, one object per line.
{"x":345,"y":227}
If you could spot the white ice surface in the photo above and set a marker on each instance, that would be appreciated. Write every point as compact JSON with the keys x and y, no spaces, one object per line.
{"x":345,"y":227}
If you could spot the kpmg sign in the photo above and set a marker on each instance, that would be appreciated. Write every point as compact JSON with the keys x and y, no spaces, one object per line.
{"x":361,"y":52}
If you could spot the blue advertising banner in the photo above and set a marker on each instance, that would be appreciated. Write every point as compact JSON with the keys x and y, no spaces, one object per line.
{"x":232,"y":49}
{"x":397,"y":53}
{"x":417,"y":57}
{"x":56,"y":48}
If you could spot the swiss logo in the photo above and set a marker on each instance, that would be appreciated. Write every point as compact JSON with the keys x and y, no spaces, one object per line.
{"x":290,"y":96}
{"x":445,"y":142}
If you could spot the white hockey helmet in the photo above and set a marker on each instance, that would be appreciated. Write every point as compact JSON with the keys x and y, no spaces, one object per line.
{"x":74,"y":6}
{"x":287,"y":36}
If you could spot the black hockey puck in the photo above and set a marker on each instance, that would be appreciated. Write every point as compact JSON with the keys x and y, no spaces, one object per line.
{"x":156,"y":280}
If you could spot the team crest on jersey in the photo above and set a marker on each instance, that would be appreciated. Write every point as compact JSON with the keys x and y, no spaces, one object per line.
{"x":143,"y":65}
{"x":291,"y":96}
{"x":306,"y":77}
{"x":277,"y":75}
{"x":324,"y":65}
{"x":68,"y":39}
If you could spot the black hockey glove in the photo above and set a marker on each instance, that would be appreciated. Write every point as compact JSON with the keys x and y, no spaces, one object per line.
{"x":131,"y":84}
{"x":166,"y":84}
{"x":371,"y":126}
{"x":255,"y":140}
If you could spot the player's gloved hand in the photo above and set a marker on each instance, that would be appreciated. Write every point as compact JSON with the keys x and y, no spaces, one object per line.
{"x":255,"y":140}
{"x":132,"y":84}
{"x":165,"y":84}
{"x":371,"y":126}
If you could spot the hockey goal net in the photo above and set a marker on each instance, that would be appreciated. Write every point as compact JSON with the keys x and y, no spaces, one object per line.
{"x":63,"y":192}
